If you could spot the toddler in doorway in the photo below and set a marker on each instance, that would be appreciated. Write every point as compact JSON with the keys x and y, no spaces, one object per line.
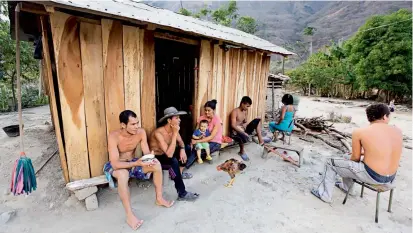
{"x":200,"y":133}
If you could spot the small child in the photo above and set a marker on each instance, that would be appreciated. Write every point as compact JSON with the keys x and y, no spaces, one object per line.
{"x":199,"y":134}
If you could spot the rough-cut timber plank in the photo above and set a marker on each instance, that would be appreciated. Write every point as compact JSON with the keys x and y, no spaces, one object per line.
{"x":258,"y":80}
{"x":148,"y":83}
{"x":168,"y":36}
{"x":91,"y":47}
{"x":218,"y":84}
{"x":65,"y":29}
{"x":52,"y":98}
{"x":241,"y":75}
{"x":85,"y":183}
{"x":113,"y":72}
{"x":133,"y":64}
{"x":254,"y":82}
{"x":249,"y":84}
{"x":226,"y":92}
{"x":204,"y":75}
{"x":264,"y":84}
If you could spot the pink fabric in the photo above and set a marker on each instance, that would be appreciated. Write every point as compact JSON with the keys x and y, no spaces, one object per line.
{"x":211,"y":124}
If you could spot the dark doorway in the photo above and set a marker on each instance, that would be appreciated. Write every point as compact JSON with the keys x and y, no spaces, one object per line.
{"x":175,"y":80}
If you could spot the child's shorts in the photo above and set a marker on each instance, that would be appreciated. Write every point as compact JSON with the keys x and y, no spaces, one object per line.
{"x":202,"y":145}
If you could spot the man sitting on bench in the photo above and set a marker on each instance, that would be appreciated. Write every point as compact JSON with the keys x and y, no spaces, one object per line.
{"x":240,"y":130}
{"x":169,"y":149}
{"x":382,"y":145}
{"x":123,"y":165}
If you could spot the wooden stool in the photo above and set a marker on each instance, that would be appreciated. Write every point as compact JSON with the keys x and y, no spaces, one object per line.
{"x":377,"y":188}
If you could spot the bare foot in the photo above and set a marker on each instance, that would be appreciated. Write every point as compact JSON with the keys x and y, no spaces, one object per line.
{"x":134,"y":222}
{"x":164,"y":203}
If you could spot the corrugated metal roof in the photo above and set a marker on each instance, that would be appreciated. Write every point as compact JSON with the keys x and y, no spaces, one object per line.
{"x":143,"y":12}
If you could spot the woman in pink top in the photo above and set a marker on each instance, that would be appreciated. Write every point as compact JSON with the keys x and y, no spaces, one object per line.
{"x":214,"y":126}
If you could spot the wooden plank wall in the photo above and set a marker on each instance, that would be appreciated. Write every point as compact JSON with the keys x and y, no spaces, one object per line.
{"x":66,"y":42}
{"x":101,"y":71}
{"x":227,"y":76}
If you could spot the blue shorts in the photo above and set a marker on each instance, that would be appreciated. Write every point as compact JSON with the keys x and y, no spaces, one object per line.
{"x":135,"y":172}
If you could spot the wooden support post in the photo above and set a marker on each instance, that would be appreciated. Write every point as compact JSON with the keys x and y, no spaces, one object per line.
{"x":273,"y":100}
{"x":283,"y":65}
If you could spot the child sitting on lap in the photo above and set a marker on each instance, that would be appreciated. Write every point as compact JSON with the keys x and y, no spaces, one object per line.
{"x":199,"y":134}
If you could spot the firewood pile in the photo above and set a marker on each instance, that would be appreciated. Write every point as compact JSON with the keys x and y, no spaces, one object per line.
{"x":315,"y":123}
{"x":317,"y":126}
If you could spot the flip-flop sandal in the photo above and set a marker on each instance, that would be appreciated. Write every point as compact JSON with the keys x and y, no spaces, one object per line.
{"x":315,"y":193}
{"x":186,"y":175}
{"x":189,"y":197}
{"x":245,"y":157}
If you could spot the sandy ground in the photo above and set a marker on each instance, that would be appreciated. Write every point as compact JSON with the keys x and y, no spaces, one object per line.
{"x":271,"y":195}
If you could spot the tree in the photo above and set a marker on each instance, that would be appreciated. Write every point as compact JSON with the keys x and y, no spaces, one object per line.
{"x":381,"y":53}
{"x":309,"y":31}
{"x":247,"y":24}
{"x":29,"y":66}
{"x":225,"y":15}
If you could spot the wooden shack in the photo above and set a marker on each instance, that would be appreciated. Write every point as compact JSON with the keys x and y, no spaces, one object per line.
{"x":102,"y":57}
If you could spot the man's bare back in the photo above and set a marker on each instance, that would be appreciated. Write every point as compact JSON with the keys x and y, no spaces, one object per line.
{"x":382,"y":146}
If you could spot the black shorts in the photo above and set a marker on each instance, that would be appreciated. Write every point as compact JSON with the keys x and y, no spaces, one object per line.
{"x":241,"y":138}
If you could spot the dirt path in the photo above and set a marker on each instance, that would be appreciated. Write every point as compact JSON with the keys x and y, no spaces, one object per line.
{"x":271,"y":194}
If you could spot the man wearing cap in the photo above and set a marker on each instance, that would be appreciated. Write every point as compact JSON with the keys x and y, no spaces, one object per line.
{"x":169,"y":149}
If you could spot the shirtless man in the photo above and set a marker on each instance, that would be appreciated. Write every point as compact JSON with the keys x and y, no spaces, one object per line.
{"x":240,"y":130}
{"x":169,"y":149}
{"x":123,"y":165}
{"x":382,"y":145}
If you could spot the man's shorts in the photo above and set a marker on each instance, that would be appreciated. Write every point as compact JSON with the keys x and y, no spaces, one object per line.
{"x":135,"y":172}
{"x":202,"y":145}
{"x":241,"y":138}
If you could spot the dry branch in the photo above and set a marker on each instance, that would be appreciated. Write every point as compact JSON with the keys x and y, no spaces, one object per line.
{"x":307,"y":132}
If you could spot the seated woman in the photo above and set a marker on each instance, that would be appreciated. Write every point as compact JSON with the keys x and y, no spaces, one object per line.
{"x":285,"y":122}
{"x":214,"y":127}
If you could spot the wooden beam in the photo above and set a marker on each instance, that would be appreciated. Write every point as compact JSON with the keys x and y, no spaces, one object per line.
{"x":148,"y":96}
{"x":85,"y":183}
{"x":227,"y":92}
{"x":52,"y":98}
{"x":91,"y":47}
{"x":168,"y":36}
{"x":113,"y":72}
{"x":49,"y":9}
{"x":33,"y":8}
{"x":65,"y":30}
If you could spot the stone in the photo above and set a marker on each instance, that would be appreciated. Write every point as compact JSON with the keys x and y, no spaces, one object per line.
{"x":6,"y":216}
{"x":86,"y":192}
{"x":91,"y":202}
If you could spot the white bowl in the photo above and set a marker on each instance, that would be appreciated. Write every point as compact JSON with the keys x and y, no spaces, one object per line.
{"x":148,"y":157}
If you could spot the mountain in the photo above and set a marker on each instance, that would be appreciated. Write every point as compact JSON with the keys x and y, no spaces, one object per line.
{"x":283,"y":22}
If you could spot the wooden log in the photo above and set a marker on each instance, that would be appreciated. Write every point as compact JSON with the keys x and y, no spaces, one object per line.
{"x":344,"y":134}
{"x":307,"y":132}
{"x":148,"y":96}
{"x":52,"y":98}
{"x":65,"y":30}
{"x":113,"y":72}
{"x":92,"y":66}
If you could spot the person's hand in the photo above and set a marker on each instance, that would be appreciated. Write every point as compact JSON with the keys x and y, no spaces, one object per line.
{"x":175,"y":129}
{"x":182,"y":155}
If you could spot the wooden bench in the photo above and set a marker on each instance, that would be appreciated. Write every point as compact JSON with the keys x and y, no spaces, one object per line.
{"x":86,"y":189}
{"x":377,"y":188}
{"x":272,"y":146}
